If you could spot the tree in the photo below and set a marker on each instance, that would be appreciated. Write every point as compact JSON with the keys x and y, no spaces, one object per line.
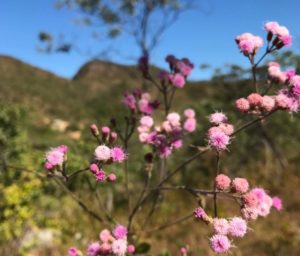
{"x":145,"y":20}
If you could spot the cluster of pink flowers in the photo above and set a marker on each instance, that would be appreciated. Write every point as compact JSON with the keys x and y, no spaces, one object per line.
{"x":276,"y":75}
{"x":168,"y":136}
{"x":287,"y":98}
{"x":56,"y":157}
{"x":106,"y":153}
{"x":255,"y":202}
{"x":139,"y":101}
{"x":219,"y":134}
{"x":110,"y":243}
{"x":248,"y":43}
{"x":179,"y":71}
{"x":280,"y":34}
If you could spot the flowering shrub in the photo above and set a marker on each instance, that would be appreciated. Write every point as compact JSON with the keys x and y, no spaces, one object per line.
{"x":166,"y":136}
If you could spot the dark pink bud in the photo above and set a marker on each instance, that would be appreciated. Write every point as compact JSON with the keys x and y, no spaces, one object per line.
{"x":94,"y":168}
{"x":94,"y":130}
{"x":111,"y":177}
{"x":130,"y":249}
{"x":113,"y":137}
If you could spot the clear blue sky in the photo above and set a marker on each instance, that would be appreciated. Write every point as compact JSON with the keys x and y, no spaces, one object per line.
{"x":204,"y":37}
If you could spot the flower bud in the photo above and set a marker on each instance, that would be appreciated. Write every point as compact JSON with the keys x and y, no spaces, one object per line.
{"x":94,"y":130}
{"x":113,"y":137}
{"x":111,"y":177}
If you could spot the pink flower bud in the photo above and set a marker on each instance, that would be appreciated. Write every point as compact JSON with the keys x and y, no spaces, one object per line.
{"x":113,"y":137}
{"x":94,"y":168}
{"x":94,"y":130}
{"x":130,"y":249}
{"x":111,"y":177}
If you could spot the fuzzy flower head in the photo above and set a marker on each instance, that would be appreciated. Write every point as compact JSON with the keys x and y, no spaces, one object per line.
{"x":73,"y":252}
{"x":146,"y":121}
{"x":242,"y":105}
{"x":220,"y":244}
{"x":130,"y":249}
{"x":117,"y":154}
{"x":190,"y":125}
{"x":199,"y":213}
{"x":93,"y":249}
{"x":102,"y":153}
{"x":174,"y":119}
{"x":120,"y":232}
{"x":237,"y":227}
{"x":177,"y":80}
{"x":119,"y":247}
{"x":55,"y":157}
{"x":218,"y":140}
{"x":220,"y":226}
{"x":189,"y":113}
{"x":222,"y":182}
{"x":240,"y":185}
{"x":218,"y":118}
{"x":249,"y":213}
{"x":277,"y":203}
{"x":105,"y":235}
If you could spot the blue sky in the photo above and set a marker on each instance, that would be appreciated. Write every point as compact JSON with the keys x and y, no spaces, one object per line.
{"x":203,"y":36}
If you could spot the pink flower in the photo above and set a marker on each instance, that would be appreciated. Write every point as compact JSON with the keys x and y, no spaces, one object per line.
{"x":220,"y":243}
{"x":174,"y":119}
{"x":184,"y":69}
{"x":254,"y":99}
{"x":248,"y":43}
{"x":199,"y":213}
{"x":183,"y":251}
{"x":177,"y":144}
{"x":237,"y":227}
{"x":102,"y":153}
{"x":228,"y":129}
{"x":100,"y":176}
{"x":55,"y":157}
{"x":240,"y":185}
{"x":48,"y":166}
{"x":117,"y":154}
{"x":249,"y":213}
{"x":282,"y":101}
{"x":222,"y":182}
{"x":93,"y":249}
{"x":63,"y":149}
{"x":267,"y":103}
{"x":213,"y":130}
{"x":130,"y":249}
{"x":177,"y":80}
{"x":143,"y":137}
{"x":111,"y":177}
{"x":218,"y":118}
{"x":271,"y":27}
{"x":130,"y":101}
{"x":94,"y":168}
{"x":146,"y":121}
{"x":250,"y":199}
{"x":189,"y":113}
{"x":218,"y":140}
{"x":120,"y":232}
{"x":286,"y":40}
{"x":220,"y":226}
{"x":242,"y":105}
{"x":190,"y":125}
{"x":73,"y":252}
{"x":119,"y":247}
{"x":105,"y":235}
{"x":105,"y":249}
{"x":277,"y":203}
